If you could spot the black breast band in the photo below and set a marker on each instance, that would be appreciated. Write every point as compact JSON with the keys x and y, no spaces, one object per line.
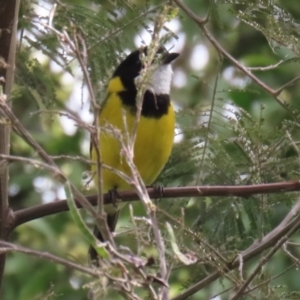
{"x":154,"y":106}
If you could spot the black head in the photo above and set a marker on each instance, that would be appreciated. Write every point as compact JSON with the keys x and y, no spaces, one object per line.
{"x":156,"y":101}
{"x":131,"y":66}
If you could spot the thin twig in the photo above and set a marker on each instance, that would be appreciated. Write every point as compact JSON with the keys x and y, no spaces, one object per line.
{"x":294,"y":259}
{"x":290,"y":83}
{"x":269,"y":280}
{"x":287,"y":226}
{"x":9,"y":247}
{"x":271,"y":67}
{"x":209,"y":123}
{"x":21,"y":131}
{"x":263,"y":261}
{"x":201,"y":23}
{"x":82,"y":57}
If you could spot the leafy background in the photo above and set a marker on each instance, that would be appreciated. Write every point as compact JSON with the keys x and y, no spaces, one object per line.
{"x":236,"y":135}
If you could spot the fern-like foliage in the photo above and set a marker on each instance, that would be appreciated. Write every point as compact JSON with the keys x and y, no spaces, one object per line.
{"x":235,"y":150}
{"x":276,"y":24}
{"x":101,"y":26}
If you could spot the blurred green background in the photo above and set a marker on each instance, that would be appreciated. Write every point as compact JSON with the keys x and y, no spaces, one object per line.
{"x":237,"y":135}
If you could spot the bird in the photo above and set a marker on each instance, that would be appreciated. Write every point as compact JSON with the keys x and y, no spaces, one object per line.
{"x":155,"y":130}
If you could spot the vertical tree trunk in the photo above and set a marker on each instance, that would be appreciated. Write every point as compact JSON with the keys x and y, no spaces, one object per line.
{"x":8,"y":27}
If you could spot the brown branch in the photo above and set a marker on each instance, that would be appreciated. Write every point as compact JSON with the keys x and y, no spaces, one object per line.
{"x":270,"y":279}
{"x":9,"y":10}
{"x":9,"y":247}
{"x":256,"y":286}
{"x":202,"y":24}
{"x":22,"y":132}
{"x":256,"y":248}
{"x":263,"y":261}
{"x":82,"y":56}
{"x":288,"y":224}
{"x":290,"y":83}
{"x":35,"y":212}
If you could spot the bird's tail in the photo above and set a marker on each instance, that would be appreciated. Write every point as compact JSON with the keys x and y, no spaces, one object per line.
{"x":111,"y":223}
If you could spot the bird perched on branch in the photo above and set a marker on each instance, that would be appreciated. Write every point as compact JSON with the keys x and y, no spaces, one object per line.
{"x":155,"y":129}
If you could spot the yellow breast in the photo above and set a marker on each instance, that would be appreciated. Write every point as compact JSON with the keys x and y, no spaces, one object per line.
{"x":152,"y":147}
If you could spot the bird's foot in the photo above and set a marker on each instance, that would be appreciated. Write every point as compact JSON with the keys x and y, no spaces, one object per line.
{"x":114,"y":196}
{"x":158,"y":190}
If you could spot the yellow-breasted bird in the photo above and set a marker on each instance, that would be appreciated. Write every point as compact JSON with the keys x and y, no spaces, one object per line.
{"x":155,"y":131}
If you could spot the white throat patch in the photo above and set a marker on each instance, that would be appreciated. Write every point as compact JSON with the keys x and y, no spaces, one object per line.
{"x":160,"y":82}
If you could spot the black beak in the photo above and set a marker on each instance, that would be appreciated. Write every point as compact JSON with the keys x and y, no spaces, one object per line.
{"x":169,"y":57}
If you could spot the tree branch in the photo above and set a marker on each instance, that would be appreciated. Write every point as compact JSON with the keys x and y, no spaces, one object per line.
{"x":9,"y":247}
{"x":276,"y":236}
{"x":28,"y":214}
{"x":262,"y":262}
{"x":202,"y":24}
{"x":8,"y":28}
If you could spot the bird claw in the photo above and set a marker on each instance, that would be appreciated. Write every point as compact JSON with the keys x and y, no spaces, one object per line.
{"x":158,"y":190}
{"x":114,"y":196}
